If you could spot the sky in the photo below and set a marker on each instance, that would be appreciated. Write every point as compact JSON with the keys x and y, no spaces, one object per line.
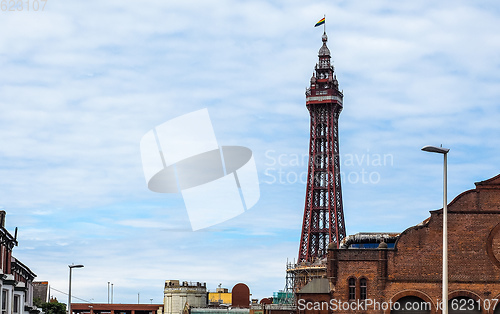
{"x":81,"y":82}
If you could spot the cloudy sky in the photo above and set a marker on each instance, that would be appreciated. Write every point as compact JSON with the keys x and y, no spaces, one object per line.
{"x":82,"y":81}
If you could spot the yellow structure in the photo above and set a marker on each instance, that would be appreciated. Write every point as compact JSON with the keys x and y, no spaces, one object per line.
{"x":220,"y":296}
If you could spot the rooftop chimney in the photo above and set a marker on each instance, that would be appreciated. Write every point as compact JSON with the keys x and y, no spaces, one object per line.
{"x":2,"y":218}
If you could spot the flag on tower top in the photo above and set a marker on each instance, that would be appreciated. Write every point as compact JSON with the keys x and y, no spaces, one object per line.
{"x":321,"y":22}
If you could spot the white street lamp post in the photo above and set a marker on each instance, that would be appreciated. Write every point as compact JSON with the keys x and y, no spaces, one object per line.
{"x":444,"y":151}
{"x":69,"y":292}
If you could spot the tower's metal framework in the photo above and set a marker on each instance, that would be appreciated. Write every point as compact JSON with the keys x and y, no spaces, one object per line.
{"x":323,"y":214}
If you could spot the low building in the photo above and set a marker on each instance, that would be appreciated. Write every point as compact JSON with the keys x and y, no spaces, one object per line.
{"x":239,"y":297}
{"x":220,"y":296}
{"x":181,"y":295}
{"x":106,"y":308}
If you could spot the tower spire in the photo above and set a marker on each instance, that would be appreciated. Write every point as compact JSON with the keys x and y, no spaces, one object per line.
{"x":323,"y":221}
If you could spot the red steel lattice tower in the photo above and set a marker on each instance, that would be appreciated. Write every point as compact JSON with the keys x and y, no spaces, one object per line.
{"x":323,"y":214}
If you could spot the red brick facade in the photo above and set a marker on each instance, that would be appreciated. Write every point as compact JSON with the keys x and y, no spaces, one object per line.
{"x":100,"y":308}
{"x":413,"y":268}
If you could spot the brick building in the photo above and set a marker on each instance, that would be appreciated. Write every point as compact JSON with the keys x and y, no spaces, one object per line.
{"x":405,"y":269}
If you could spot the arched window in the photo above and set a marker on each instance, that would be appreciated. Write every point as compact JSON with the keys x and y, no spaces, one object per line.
{"x":362,"y":288}
{"x":352,"y":288}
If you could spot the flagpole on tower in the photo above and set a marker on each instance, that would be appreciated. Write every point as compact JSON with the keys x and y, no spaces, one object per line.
{"x":324,"y":24}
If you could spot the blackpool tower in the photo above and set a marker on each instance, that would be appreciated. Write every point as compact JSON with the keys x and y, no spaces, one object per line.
{"x":323,"y":221}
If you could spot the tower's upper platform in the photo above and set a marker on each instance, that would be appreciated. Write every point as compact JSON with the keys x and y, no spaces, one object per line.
{"x":324,"y":86}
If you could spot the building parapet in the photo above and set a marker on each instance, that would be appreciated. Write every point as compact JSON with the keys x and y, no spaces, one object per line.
{"x":368,"y":237}
{"x":177,"y":283}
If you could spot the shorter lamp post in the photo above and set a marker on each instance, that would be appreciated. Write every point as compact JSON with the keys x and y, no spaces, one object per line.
{"x":444,"y":151}
{"x":69,"y":292}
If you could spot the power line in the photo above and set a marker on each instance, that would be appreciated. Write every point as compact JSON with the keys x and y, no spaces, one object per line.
{"x":52,"y":288}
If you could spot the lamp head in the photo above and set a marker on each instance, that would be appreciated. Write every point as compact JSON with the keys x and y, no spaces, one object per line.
{"x":434,"y":149}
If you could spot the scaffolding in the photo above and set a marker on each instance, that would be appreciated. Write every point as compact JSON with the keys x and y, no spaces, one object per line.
{"x":299,"y":275}
{"x":283,"y":298}
{"x":286,"y":296}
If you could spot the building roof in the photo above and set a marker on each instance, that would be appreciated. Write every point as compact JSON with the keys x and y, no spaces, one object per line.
{"x":368,"y":237}
{"x":106,"y":307}
{"x":41,"y":290}
{"x":317,"y":285}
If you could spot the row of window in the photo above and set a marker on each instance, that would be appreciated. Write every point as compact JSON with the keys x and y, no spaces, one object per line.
{"x":363,"y":287}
